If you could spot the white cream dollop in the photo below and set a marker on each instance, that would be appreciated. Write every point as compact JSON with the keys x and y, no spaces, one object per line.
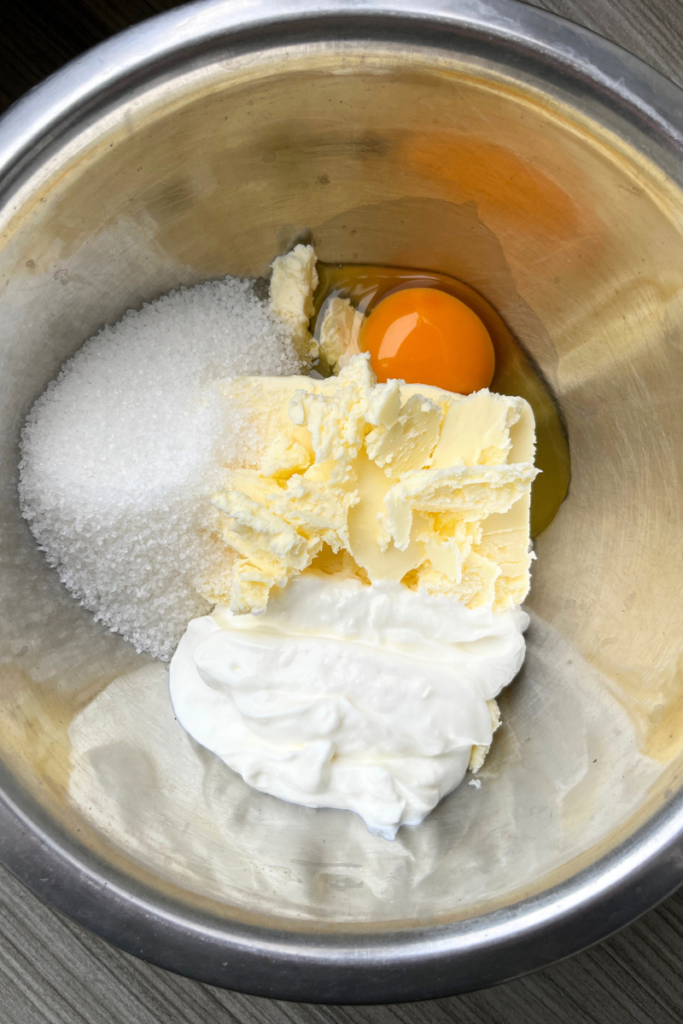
{"x":342,"y":694}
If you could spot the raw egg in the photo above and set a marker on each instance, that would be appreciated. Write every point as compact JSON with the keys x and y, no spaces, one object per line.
{"x":426,"y":336}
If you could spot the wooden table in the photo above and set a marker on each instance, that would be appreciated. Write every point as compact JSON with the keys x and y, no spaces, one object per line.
{"x":54,"y":971}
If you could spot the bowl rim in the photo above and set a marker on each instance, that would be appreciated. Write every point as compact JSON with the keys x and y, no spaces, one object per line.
{"x":371,"y":967}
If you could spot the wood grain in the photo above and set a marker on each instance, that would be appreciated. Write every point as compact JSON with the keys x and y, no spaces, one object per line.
{"x":54,"y":972}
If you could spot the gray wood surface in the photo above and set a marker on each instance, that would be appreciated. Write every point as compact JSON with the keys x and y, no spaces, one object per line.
{"x":53,"y":971}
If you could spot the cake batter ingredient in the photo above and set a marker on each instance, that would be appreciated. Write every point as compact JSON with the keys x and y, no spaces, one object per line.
{"x":368,"y":698}
{"x":426,"y":336}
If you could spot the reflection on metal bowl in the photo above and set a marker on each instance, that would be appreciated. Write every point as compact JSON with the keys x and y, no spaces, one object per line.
{"x":487,"y":141}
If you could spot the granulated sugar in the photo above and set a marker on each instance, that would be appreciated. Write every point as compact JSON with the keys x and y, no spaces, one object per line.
{"x":118,"y":452}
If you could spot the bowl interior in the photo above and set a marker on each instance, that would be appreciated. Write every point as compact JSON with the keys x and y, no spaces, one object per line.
{"x":404,"y":158}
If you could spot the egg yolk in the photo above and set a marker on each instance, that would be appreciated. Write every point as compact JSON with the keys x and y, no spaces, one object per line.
{"x":425,"y":336}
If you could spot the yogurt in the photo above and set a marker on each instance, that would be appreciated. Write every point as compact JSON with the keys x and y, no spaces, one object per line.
{"x":343,"y":694}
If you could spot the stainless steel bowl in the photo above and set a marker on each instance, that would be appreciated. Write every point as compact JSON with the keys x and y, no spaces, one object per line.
{"x":483,"y":139}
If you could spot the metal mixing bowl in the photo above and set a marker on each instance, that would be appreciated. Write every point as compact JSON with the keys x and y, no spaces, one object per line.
{"x":485,"y":140}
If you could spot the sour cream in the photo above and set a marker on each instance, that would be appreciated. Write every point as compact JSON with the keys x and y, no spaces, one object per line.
{"x":341,"y":694}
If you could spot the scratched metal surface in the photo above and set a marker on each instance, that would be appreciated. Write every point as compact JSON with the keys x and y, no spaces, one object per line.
{"x":54,"y":971}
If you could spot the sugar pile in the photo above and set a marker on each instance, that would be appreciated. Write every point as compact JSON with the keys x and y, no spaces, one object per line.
{"x":118,"y":452}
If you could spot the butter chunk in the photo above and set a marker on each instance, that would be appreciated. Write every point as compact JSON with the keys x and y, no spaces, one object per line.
{"x":260,"y":535}
{"x":403,"y":482}
{"x":409,"y":442}
{"x":285,"y":457}
{"x":264,"y":402}
{"x":447,"y":543}
{"x":335,"y":413}
{"x":384,"y":404}
{"x":278,"y":527}
{"x":315,"y":508}
{"x":473,"y":492}
{"x":381,"y":561}
{"x":476,"y":430}
{"x":294,"y":280}
{"x":272,"y":550}
{"x":339,"y":333}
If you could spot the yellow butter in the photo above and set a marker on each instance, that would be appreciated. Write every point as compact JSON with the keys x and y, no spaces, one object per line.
{"x":413,"y":483}
{"x":292,"y":284}
{"x":340,"y":329}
